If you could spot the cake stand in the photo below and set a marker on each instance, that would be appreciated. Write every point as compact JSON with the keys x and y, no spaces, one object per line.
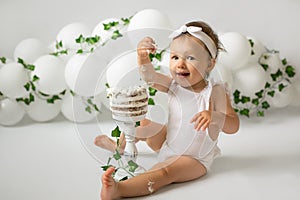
{"x":127,"y":125}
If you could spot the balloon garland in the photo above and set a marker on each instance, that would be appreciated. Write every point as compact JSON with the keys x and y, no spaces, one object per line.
{"x":43,"y":83}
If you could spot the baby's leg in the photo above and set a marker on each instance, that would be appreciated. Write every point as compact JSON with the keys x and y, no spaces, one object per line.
{"x":153,"y":133}
{"x":181,"y":169}
{"x":107,"y":143}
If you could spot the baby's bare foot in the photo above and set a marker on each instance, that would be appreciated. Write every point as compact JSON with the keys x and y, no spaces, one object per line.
{"x":109,"y":185}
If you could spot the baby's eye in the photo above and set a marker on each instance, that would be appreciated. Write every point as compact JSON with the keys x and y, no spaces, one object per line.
{"x":190,"y":58}
{"x":174,"y":57}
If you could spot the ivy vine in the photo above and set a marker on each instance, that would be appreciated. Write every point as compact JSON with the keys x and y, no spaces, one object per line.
{"x":279,"y":80}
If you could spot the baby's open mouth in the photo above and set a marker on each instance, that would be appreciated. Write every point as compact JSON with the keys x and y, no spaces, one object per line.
{"x":182,"y":74}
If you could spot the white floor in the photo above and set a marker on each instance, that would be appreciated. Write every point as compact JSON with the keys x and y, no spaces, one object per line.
{"x":57,"y":161}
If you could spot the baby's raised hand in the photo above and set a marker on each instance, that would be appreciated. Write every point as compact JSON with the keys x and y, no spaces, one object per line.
{"x":202,"y":120}
{"x":145,"y":46}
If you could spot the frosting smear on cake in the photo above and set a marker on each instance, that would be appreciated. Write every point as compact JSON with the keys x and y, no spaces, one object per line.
{"x":128,"y":104}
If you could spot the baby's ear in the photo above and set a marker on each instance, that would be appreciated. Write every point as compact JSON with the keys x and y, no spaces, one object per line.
{"x":211,"y":64}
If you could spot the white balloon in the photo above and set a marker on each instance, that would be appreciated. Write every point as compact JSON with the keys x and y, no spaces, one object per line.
{"x":149,"y":18}
{"x":41,"y":111}
{"x":13,"y":77}
{"x":72,"y":70}
{"x":256,"y":51}
{"x":283,"y":98}
{"x":29,"y":50}
{"x":249,"y":79}
{"x":272,"y":59}
{"x":74,"y":109}
{"x":222,"y":74}
{"x":296,"y":100}
{"x":85,"y":74}
{"x":105,"y":35}
{"x":150,"y":22}
{"x":50,"y":70}
{"x":237,"y":50}
{"x":123,"y":71}
{"x":10,"y":112}
{"x":69,"y":33}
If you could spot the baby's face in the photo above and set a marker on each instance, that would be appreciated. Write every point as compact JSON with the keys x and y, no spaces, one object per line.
{"x":189,"y":62}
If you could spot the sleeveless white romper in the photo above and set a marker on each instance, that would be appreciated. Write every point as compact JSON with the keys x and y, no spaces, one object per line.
{"x":182,"y":138}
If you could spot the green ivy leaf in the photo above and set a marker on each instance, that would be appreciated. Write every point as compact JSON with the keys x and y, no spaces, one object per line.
{"x":245,"y":99}
{"x":260,"y":113}
{"x":137,"y":124}
{"x":259,"y":94}
{"x":152,"y":91}
{"x":245,"y":112}
{"x":132,"y":166}
{"x":105,"y":167}
{"x":267,"y":85}
{"x":151,"y":56}
{"x":117,"y":155}
{"x":281,"y":86}
{"x":79,"y":51}
{"x":236,"y":96}
{"x":88,"y":109}
{"x":284,"y":61}
{"x":251,"y":42}
{"x":109,"y":25}
{"x":80,"y":39}
{"x":276,"y":75}
{"x":271,"y":93}
{"x":265,"y":105}
{"x":116,"y":34}
{"x":290,"y":71}
{"x":116,"y":132}
{"x":157,"y":68}
{"x":151,"y":101}
{"x":3,"y":60}
{"x":35,"y":78}
{"x":255,"y":101}
{"x":58,"y":44}
{"x":126,"y":21}
{"x":264,"y":66}
{"x":26,"y":66}
{"x":27,"y":86}
{"x":53,"y":99}
{"x":123,"y":179}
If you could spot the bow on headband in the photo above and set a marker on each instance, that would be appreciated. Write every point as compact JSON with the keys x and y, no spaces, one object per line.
{"x":198,"y":33}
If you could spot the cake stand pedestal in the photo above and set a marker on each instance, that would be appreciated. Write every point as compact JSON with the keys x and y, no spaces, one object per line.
{"x":129,"y":130}
{"x":128,"y":127}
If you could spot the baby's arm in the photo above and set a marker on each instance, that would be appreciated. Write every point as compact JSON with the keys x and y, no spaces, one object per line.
{"x":157,"y":80}
{"x":220,"y":115}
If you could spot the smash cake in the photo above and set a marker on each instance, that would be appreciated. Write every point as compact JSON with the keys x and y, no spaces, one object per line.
{"x":128,"y":104}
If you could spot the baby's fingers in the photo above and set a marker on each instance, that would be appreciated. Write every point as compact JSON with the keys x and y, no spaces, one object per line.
{"x":194,"y":119}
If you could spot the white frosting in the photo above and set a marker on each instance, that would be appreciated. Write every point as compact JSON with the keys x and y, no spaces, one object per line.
{"x":128,"y":104}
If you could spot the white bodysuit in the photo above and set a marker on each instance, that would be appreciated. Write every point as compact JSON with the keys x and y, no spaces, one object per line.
{"x":182,"y":138}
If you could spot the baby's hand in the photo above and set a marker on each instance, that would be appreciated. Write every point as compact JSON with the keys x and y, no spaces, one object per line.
{"x":145,"y":47}
{"x":202,"y":120}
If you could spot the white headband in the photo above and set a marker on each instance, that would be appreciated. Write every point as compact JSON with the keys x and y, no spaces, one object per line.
{"x":198,"y":33}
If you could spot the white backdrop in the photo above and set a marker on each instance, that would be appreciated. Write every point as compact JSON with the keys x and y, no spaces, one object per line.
{"x":274,"y":22}
{"x":49,"y":162}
